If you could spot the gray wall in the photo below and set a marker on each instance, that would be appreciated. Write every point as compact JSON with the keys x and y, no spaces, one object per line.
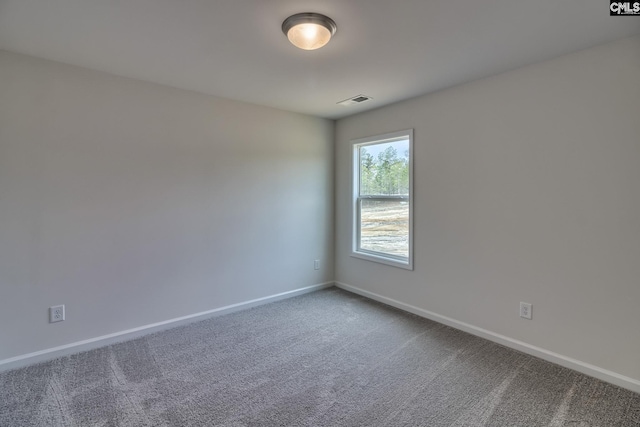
{"x":527,"y":188}
{"x":134,"y":203}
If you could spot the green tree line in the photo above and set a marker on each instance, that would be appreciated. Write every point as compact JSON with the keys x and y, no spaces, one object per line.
{"x":386,"y":174}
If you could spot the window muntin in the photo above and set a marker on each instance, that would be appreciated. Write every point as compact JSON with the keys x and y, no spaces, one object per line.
{"x":382,"y":205}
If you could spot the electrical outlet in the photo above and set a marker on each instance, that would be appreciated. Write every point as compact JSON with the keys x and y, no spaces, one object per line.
{"x":56,"y":313}
{"x":525,"y":310}
{"x":316,"y":264}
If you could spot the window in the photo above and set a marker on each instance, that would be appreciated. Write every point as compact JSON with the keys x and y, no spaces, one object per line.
{"x":383,"y":198}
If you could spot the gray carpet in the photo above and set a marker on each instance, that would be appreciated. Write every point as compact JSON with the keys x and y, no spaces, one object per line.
{"x":329,"y":358}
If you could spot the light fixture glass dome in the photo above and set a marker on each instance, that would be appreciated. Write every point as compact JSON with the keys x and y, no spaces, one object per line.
{"x":309,"y":31}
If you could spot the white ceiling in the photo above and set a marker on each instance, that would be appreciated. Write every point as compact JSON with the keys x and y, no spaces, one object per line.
{"x":387,"y":49}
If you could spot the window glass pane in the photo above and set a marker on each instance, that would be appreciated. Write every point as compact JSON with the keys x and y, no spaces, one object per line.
{"x":384,"y":226}
{"x":384,"y":168}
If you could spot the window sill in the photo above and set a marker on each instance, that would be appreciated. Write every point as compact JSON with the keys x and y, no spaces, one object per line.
{"x":380,"y":259}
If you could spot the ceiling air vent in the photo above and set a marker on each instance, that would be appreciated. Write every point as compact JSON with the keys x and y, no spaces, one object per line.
{"x":355,"y":100}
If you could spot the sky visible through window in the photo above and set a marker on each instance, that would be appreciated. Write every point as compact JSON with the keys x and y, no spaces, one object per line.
{"x":402,"y":147}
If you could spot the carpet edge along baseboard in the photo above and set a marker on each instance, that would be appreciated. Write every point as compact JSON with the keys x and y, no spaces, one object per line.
{"x":559,"y":359}
{"x":103,"y":340}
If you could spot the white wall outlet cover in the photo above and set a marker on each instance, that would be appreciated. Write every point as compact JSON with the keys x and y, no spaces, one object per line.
{"x":56,"y":313}
{"x":316,"y":264}
{"x":525,"y":310}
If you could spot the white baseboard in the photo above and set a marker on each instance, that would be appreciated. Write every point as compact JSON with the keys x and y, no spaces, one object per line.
{"x":568,"y":362}
{"x":91,"y":343}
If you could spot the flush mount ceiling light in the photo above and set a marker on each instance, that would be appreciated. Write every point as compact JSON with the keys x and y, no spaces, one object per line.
{"x":309,"y":31}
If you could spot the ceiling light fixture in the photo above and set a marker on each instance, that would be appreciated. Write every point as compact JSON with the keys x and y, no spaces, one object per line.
{"x":309,"y":31}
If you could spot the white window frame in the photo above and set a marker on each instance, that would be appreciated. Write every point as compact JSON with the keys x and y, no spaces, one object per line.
{"x":356,"y":250}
